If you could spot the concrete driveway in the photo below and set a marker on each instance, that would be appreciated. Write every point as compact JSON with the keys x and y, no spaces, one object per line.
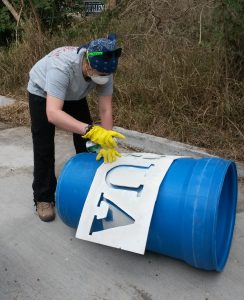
{"x":42,"y":261}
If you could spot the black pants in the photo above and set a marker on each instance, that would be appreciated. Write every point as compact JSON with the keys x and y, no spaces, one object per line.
{"x":43,"y":132}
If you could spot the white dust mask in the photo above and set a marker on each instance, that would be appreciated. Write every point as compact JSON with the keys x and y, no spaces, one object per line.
{"x":100,"y":79}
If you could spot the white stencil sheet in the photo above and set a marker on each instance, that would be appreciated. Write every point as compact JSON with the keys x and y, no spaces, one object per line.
{"x":120,"y":202}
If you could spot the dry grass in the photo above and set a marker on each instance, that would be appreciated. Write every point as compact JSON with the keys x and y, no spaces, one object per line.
{"x":173,"y":80}
{"x":16,"y":114}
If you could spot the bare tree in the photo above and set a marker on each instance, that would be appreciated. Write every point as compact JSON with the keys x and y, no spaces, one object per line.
{"x":17,"y":15}
{"x":10,"y":7}
{"x":38,"y":22}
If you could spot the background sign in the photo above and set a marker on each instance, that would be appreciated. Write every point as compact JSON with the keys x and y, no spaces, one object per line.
{"x":94,"y":7}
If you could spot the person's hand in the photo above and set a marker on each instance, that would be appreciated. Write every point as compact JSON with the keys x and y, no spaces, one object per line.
{"x":109,"y":155}
{"x":103,"y":137}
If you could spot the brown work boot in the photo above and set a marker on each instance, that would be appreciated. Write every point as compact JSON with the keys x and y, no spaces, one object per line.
{"x":45,"y":211}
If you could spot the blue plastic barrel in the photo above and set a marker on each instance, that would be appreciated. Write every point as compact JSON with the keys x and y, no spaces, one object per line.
{"x":194,"y":214}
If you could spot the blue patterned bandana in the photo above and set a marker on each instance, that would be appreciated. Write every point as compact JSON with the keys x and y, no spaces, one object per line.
{"x":103,"y":54}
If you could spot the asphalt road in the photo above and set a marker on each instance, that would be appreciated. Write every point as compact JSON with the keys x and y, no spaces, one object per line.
{"x":45,"y":261}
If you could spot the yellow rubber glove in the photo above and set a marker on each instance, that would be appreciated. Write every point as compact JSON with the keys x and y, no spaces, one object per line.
{"x":103,"y":137}
{"x":109,"y":155}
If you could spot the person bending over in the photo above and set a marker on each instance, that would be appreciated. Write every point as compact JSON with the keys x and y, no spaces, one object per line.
{"x":57,"y":88}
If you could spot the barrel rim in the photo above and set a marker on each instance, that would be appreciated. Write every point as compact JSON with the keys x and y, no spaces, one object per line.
{"x":220,"y":262}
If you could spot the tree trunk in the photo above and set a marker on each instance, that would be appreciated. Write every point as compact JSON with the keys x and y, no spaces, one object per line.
{"x":12,"y":10}
{"x":111,"y":4}
{"x":38,"y":22}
